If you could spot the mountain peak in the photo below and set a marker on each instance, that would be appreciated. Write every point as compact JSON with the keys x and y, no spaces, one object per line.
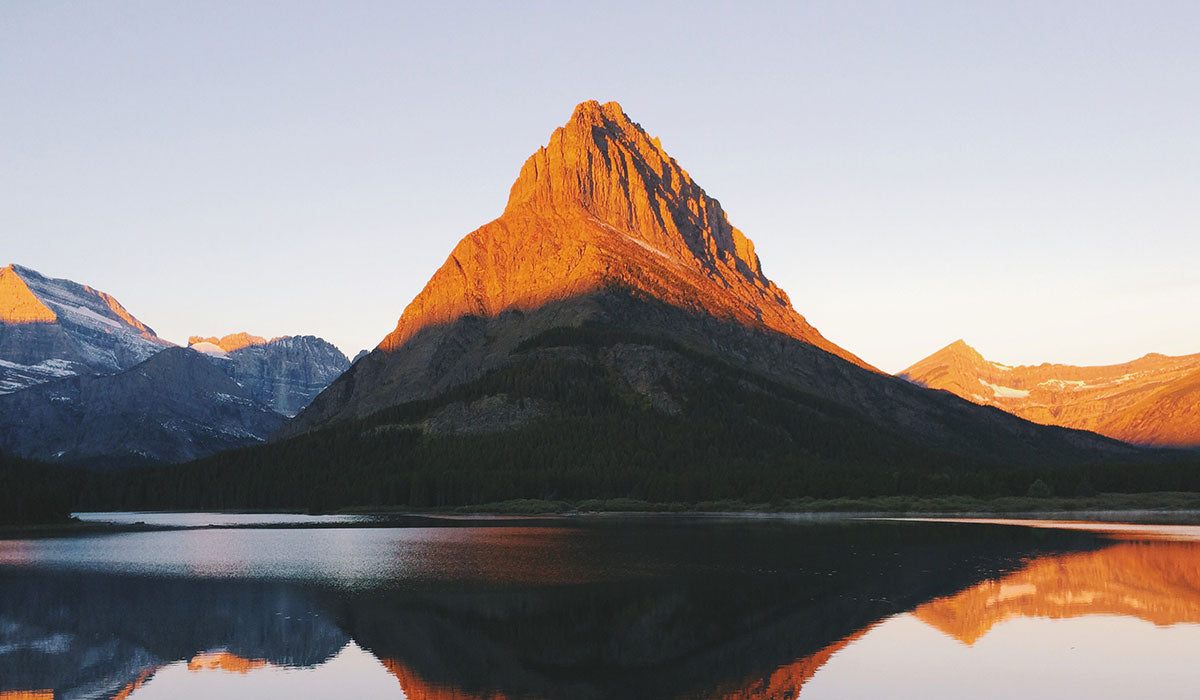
{"x":602,"y":206}
{"x":961,"y":349}
{"x":604,"y":164}
{"x":18,"y":303}
{"x":591,"y":112}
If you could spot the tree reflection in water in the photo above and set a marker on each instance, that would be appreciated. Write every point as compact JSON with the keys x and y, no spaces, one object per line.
{"x":640,"y":609}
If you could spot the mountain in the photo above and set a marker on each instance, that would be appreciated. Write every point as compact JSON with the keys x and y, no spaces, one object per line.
{"x":611,"y":268}
{"x":173,"y":407}
{"x":53,"y":328}
{"x":1153,"y":400}
{"x":284,"y":373}
{"x":612,"y":335}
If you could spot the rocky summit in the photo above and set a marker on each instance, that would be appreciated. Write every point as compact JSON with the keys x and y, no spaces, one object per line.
{"x":604,"y":206}
{"x":611,"y":267}
{"x":1153,"y":400}
{"x":53,"y":328}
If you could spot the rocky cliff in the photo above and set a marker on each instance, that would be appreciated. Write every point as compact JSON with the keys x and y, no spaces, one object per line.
{"x":284,"y":373}
{"x":1153,"y":400}
{"x":604,"y":206}
{"x":52,"y":328}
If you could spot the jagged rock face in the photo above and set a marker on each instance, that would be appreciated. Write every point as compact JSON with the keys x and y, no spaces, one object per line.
{"x":283,"y":373}
{"x":53,"y":328}
{"x":1154,"y":400}
{"x":174,"y":407}
{"x":602,"y":211}
{"x":604,"y":206}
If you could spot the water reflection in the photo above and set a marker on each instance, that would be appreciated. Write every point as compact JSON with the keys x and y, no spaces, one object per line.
{"x":642,"y":609}
{"x":1158,"y":582}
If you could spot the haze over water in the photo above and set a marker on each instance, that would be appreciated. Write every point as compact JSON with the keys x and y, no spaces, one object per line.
{"x":641,"y":607}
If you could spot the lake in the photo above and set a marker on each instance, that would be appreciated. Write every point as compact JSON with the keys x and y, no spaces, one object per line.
{"x":600,"y":607}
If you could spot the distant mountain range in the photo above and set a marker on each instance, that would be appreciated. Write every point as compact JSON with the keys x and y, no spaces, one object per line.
{"x":83,"y":381}
{"x":613,"y":334}
{"x":1153,"y":400}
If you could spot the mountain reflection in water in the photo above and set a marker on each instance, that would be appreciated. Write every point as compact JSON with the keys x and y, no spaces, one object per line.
{"x":648,"y":608}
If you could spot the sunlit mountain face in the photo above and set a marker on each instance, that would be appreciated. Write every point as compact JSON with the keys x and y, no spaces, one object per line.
{"x":604,"y":205}
{"x":632,"y":610}
{"x":1153,"y":400}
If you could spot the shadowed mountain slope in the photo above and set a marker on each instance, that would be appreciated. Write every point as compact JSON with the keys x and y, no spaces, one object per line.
{"x":173,"y":407}
{"x":1153,"y":400}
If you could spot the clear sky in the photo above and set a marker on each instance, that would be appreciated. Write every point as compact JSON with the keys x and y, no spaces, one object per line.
{"x":1021,"y":175}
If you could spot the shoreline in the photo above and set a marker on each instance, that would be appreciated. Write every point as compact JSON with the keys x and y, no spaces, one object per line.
{"x":489,"y":516}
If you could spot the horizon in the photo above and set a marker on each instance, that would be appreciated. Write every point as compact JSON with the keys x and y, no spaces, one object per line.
{"x":223,"y":170}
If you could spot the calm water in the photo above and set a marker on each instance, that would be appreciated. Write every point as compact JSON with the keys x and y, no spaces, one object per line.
{"x":216,"y":519}
{"x":649,"y":607}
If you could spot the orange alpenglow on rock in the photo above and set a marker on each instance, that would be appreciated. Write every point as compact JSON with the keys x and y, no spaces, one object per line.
{"x":18,"y":304}
{"x":417,"y":688}
{"x":1154,"y":400}
{"x":604,"y":206}
{"x":224,"y":661}
{"x":231,"y":342}
{"x":1158,"y":582}
{"x":129,"y":688}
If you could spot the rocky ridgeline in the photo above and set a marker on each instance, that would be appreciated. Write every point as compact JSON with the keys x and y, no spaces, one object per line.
{"x":1153,"y":400}
{"x":53,"y":328}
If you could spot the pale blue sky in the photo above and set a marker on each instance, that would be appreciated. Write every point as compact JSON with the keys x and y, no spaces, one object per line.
{"x":1022,"y":175}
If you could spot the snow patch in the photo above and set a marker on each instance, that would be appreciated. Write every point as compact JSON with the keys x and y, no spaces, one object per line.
{"x":638,"y":241}
{"x":1072,"y":384}
{"x":87,"y":313}
{"x":210,"y":349}
{"x":1005,"y":392}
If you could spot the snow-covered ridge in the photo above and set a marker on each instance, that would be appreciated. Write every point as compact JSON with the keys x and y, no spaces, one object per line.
{"x":88,"y":332}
